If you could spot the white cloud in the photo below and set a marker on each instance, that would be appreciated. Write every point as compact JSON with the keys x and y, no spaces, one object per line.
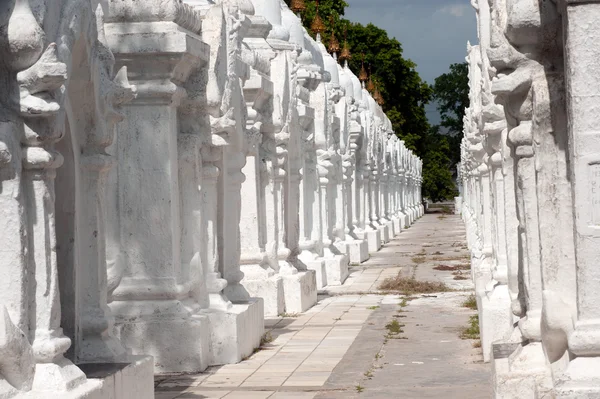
{"x":456,"y":10}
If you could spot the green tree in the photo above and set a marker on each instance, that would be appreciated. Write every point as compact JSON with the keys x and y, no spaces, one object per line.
{"x":405,"y":94}
{"x":451,"y":92}
{"x":438,"y":184}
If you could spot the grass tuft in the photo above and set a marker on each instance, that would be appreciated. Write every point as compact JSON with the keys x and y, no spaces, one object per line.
{"x":470,"y":302}
{"x":411,"y":285}
{"x":267,"y":338}
{"x":418,"y":259}
{"x":472,"y":330}
{"x":394,"y":328}
{"x":452,"y":268}
{"x":446,"y":210}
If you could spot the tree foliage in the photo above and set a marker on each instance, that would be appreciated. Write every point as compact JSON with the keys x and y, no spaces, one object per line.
{"x":438,"y":184}
{"x":405,"y":94}
{"x":451,"y":92}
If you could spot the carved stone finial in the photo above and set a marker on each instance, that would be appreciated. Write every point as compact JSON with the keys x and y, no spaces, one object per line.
{"x":334,"y":44}
{"x":298,"y":6}
{"x":317,"y":25}
{"x":345,"y":55}
{"x":363,"y":76}
{"x":370,"y":84}
{"x":378,"y":97}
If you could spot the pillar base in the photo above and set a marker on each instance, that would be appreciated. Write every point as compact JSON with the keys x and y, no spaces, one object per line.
{"x":178,"y":340}
{"x":522,"y":374}
{"x":318,"y":266}
{"x":495,"y":319}
{"x":403,"y":221}
{"x":236,"y":332}
{"x":132,"y":379}
{"x":397,"y":224}
{"x":91,"y":389}
{"x":300,"y":291}
{"x":336,"y":267}
{"x":58,"y":376}
{"x":123,"y":380}
{"x":384,"y":233}
{"x":458,"y":201}
{"x":373,"y":238}
{"x":357,"y":250}
{"x":580,"y":380}
{"x":270,"y":289}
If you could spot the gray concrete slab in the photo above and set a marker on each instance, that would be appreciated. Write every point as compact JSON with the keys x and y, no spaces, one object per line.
{"x":428,"y":359}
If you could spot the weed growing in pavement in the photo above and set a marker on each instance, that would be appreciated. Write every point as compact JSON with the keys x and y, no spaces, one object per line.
{"x":267,"y":338}
{"x":418,"y":259}
{"x":373,"y":307}
{"x":411,"y":285}
{"x":472,"y":330}
{"x":453,"y":258}
{"x":291,"y":315}
{"x":368,"y":374}
{"x":359,"y":388}
{"x":394,"y":328}
{"x":452,"y":268}
{"x":470,"y":302}
{"x":477,"y":344}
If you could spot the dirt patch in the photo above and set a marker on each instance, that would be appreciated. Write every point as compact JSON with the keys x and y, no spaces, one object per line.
{"x":411,"y":285}
{"x":452,"y":268}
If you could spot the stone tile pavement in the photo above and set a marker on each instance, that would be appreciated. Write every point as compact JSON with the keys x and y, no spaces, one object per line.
{"x":304,"y":351}
{"x":338,"y":348}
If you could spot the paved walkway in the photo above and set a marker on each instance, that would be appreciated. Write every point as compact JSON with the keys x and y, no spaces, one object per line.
{"x":341,"y":348}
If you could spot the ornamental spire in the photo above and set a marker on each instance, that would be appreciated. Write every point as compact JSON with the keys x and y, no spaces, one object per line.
{"x":363,"y":76}
{"x":370,"y":85}
{"x":298,"y":6}
{"x":317,"y":25}
{"x":378,"y":97}
{"x":334,"y":44}
{"x":345,"y":55}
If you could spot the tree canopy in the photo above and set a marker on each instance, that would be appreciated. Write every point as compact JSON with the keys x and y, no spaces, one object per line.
{"x":404,"y":93}
{"x":451,"y":92}
{"x":438,"y":184}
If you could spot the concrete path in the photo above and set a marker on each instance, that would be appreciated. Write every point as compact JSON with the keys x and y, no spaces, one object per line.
{"x":342,"y":348}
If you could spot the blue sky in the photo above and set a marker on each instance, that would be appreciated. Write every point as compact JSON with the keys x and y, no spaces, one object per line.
{"x":433,"y":33}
